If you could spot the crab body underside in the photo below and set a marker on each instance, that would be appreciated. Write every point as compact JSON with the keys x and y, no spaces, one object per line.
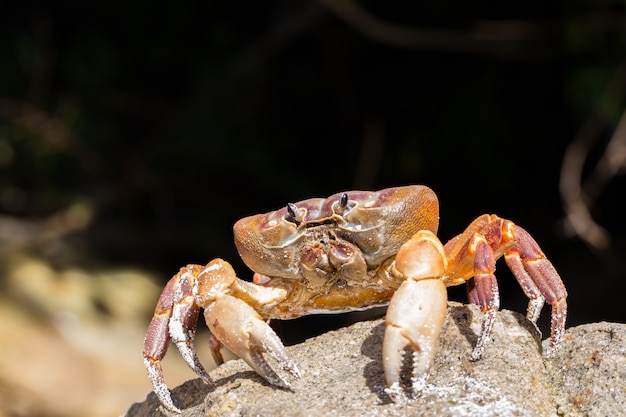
{"x":350,"y":251}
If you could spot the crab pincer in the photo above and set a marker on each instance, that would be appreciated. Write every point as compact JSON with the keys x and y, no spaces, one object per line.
{"x":416,"y":312}
{"x":238,"y":326}
{"x":242,"y":330}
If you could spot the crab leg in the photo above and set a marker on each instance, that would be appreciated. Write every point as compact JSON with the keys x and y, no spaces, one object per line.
{"x":540,"y":282}
{"x":474,"y":253}
{"x":417,"y":310}
{"x":483,"y":290}
{"x":175,"y":318}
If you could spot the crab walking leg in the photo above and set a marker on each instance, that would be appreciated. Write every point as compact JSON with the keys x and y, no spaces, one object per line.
{"x":540,"y":281}
{"x":182,"y":330}
{"x":216,"y":349}
{"x":175,"y":318}
{"x":482,"y":290}
{"x":417,"y":310}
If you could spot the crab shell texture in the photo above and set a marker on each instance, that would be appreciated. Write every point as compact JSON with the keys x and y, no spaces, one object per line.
{"x":334,"y":250}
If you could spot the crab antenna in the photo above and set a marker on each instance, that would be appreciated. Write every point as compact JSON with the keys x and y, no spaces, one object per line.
{"x":343,"y":201}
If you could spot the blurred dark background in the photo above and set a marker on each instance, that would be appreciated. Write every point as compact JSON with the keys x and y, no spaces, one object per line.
{"x":149,"y":128}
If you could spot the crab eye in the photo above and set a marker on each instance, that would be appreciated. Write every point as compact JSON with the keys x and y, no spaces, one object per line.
{"x":343,"y":201}
{"x":340,"y":206}
{"x":292,"y":214}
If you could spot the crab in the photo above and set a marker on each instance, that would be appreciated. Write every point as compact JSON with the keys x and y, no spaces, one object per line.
{"x":351,"y":251}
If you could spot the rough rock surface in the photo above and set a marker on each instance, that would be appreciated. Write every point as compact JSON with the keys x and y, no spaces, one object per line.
{"x":343,"y":376}
{"x":589,"y":372}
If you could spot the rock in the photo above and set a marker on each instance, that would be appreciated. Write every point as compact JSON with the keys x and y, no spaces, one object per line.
{"x":589,"y":371}
{"x":343,"y":376}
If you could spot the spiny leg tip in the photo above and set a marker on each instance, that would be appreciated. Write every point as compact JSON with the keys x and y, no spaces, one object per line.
{"x":477,"y":353}
{"x":165,"y":399}
{"x":295,"y":371}
{"x":550,"y":351}
{"x":173,"y":409}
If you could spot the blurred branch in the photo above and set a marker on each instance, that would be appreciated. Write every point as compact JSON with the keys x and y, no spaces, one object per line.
{"x":20,"y":235}
{"x":578,"y":194}
{"x":487,"y":38}
{"x":612,"y":162}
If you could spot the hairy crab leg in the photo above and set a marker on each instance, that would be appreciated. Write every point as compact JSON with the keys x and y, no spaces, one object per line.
{"x":539,"y":280}
{"x":155,"y":346}
{"x":469,"y":256}
{"x":175,"y":318}
{"x":483,"y":290}
{"x":184,"y":321}
{"x":416,"y":311}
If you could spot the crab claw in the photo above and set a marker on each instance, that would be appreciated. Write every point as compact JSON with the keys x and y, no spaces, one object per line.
{"x":242,"y":330}
{"x":416,"y":312}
